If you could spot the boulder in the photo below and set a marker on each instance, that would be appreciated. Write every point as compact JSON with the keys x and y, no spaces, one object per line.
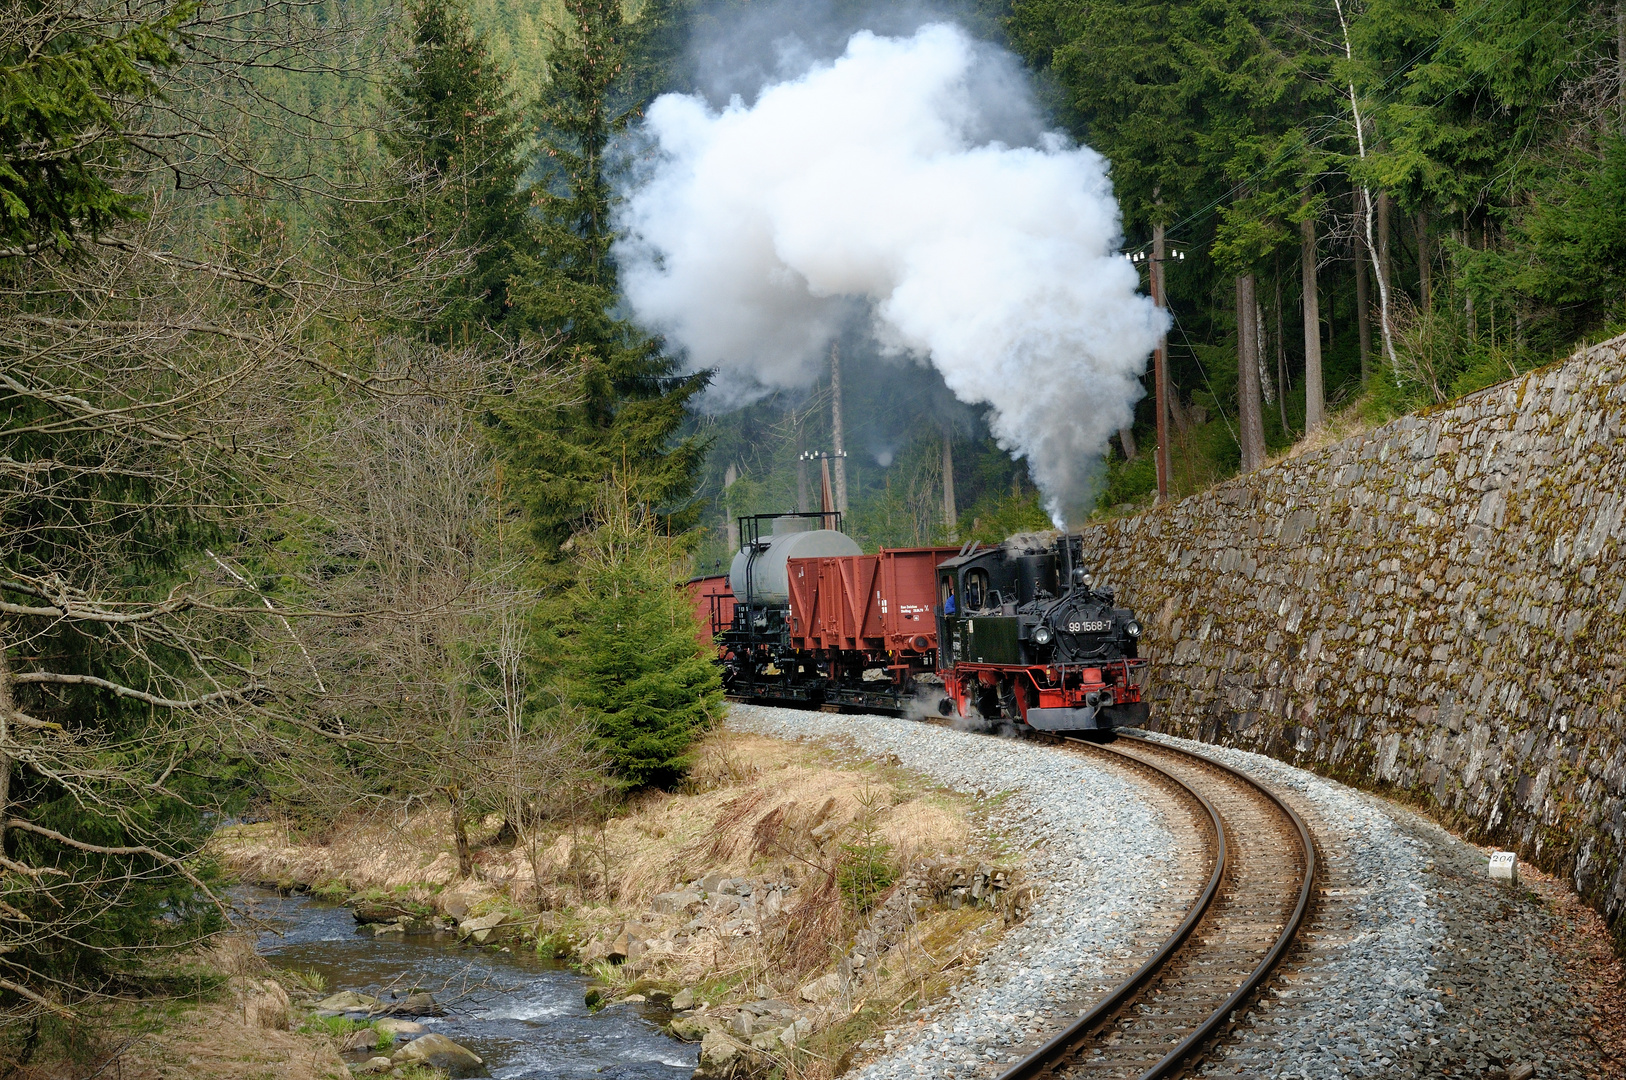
{"x":823,"y":988}
{"x":383,"y":929}
{"x":360,"y":1039}
{"x":483,"y":928}
{"x":681,"y":902}
{"x":795,"y":1033}
{"x":419,"y":1004}
{"x":710,"y":882}
{"x":389,"y":1025}
{"x":683,"y":999}
{"x":618,"y":951}
{"x":348,"y":1001}
{"x":376,"y":911}
{"x":743,"y":1024}
{"x":412,"y":924}
{"x":437,"y":1051}
{"x":766,"y":1041}
{"x":374,"y":1065}
{"x":594,"y":952}
{"x":688,"y":1028}
{"x":720,"y":1057}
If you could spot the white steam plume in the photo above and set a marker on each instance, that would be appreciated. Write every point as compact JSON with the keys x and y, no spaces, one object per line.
{"x":871,"y":181}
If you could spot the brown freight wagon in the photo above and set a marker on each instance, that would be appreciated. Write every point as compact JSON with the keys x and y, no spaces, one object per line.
{"x":880,"y":605}
{"x":713,"y":605}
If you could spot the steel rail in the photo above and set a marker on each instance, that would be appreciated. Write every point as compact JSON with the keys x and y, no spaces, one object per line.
{"x":1051,"y":1055}
{"x":1042,"y":1059}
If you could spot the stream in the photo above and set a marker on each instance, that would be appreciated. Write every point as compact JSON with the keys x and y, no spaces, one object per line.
{"x":523,"y":1014}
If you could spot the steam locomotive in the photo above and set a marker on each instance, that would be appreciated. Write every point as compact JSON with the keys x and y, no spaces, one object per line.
{"x":1016,"y":633}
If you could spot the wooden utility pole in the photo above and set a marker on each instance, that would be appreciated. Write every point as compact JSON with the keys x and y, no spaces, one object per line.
{"x":951,"y":513}
{"x":827,"y":502}
{"x":1159,"y":369}
{"x":836,"y":434}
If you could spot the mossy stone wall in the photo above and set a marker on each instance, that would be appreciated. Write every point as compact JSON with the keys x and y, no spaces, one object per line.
{"x":1436,"y":608}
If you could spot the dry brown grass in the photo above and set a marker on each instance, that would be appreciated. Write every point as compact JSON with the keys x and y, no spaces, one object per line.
{"x":753,"y":807}
{"x":241,"y":1033}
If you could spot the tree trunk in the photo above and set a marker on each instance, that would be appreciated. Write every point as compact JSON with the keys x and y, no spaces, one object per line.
{"x":838,"y":436}
{"x":1425,"y":272}
{"x":804,"y":488}
{"x":1386,"y":266}
{"x":1281,"y":356}
{"x":1177,"y":412}
{"x":1250,"y":410}
{"x":732,"y":525}
{"x":8,"y":705}
{"x":1467,"y":296}
{"x":951,"y":513}
{"x":1126,"y":439}
{"x":460,"y":831}
{"x":1315,"y":398}
{"x":1363,"y":307}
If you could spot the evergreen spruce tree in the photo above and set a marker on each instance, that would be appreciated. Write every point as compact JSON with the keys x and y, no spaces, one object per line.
{"x":455,"y":140}
{"x":633,"y":400}
{"x":631,"y":652}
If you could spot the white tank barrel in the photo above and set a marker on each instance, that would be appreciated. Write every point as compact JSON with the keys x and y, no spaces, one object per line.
{"x":793,"y":538}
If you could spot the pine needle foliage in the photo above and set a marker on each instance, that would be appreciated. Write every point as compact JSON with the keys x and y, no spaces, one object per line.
{"x":456,"y":141}
{"x":633,"y":400}
{"x":632,"y":656}
{"x":55,"y":87}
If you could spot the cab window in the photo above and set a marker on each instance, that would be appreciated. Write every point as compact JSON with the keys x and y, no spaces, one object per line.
{"x":976,"y":590}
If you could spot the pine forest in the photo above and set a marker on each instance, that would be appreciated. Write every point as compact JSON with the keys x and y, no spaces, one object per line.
{"x":341,"y":470}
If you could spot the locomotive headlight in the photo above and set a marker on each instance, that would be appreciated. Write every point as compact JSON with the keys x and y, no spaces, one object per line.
{"x":1041,"y":635}
{"x":1133,"y":629}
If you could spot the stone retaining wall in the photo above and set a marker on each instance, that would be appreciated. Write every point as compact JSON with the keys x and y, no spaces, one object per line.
{"x":1437,"y":606}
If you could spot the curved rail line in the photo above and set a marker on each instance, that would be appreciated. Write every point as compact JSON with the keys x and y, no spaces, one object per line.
{"x":1161,"y":1017}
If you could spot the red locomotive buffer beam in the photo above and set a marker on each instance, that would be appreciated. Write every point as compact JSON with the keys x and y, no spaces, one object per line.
{"x":870,"y":604}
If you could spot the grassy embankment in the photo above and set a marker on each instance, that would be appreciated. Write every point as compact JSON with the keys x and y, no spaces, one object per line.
{"x":824,"y":837}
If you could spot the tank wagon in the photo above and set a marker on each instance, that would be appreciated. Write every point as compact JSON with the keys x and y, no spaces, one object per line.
{"x":1016,"y":632}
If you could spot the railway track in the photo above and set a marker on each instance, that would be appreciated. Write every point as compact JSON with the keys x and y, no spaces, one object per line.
{"x":1160,"y":1020}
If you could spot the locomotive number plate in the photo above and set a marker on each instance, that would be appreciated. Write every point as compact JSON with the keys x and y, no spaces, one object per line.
{"x":1091,"y":626}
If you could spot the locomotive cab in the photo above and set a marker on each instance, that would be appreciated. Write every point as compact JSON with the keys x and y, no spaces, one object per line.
{"x":1029,"y":638}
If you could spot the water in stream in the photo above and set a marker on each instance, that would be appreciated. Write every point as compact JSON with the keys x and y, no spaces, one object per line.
{"x":522,"y":1014}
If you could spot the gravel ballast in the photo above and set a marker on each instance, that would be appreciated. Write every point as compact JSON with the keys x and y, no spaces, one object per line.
{"x":1418,"y":965}
{"x":1103,"y":851}
{"x":1415,"y":964}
